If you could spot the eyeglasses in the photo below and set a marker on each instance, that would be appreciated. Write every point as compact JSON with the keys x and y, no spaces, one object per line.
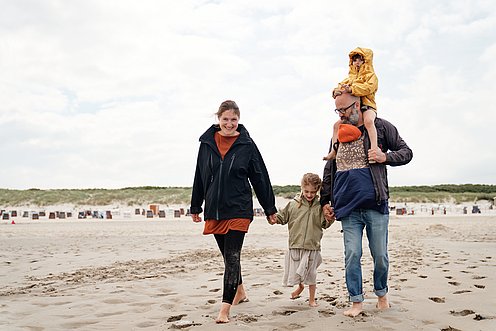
{"x":342,"y":111}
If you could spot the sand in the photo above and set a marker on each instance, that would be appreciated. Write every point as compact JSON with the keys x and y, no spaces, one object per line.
{"x":160,"y":274}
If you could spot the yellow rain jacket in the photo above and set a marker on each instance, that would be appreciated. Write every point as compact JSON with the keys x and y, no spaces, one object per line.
{"x":364,"y":82}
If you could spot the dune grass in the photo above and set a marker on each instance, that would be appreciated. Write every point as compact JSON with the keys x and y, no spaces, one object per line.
{"x":133,"y":196}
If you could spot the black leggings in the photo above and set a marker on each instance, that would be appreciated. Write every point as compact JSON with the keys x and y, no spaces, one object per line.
{"x":230,"y":246}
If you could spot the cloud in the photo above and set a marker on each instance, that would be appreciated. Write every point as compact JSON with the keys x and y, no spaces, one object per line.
{"x":116,"y":93}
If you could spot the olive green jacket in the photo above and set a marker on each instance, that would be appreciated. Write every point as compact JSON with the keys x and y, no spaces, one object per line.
{"x":305,"y":223}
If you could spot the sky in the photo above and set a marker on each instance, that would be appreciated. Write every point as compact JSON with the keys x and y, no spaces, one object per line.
{"x":112,"y":94}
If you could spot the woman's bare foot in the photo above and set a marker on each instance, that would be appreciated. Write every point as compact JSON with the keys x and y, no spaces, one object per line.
{"x":313,"y":304}
{"x":355,"y":310}
{"x":240,"y":295}
{"x":383,"y":302}
{"x":296,"y":293}
{"x":223,"y":313}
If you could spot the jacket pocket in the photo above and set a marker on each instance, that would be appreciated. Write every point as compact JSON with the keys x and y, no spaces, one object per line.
{"x":295,"y":254}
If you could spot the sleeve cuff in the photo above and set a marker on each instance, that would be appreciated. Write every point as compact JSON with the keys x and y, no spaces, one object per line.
{"x":196,"y":210}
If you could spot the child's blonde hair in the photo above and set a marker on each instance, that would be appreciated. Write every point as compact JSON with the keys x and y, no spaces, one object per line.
{"x":312,"y":180}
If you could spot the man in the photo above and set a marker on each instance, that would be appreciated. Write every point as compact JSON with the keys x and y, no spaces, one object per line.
{"x":355,"y":185}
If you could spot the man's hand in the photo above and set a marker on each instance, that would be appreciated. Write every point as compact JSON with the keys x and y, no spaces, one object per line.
{"x":377,"y":155}
{"x":272,"y":219}
{"x":196,"y":218}
{"x":328,"y":213}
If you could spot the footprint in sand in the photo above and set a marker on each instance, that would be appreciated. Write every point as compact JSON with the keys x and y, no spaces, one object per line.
{"x":478,"y":277}
{"x":247,"y":318}
{"x":454,"y":283}
{"x":327,"y":298}
{"x":284,"y":312}
{"x":183,"y":324}
{"x":449,"y":328}
{"x":479,"y":286}
{"x":259,"y":284}
{"x":291,"y":326}
{"x":464,"y":312}
{"x":176,"y":317}
{"x":326,"y":313}
{"x":462,"y":291}
{"x":437,"y":299}
{"x":214,"y":290}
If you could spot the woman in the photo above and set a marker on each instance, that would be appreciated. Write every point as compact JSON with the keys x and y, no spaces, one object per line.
{"x":227,"y":159}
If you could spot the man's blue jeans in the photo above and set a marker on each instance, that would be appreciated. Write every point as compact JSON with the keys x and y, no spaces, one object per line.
{"x":376,"y":226}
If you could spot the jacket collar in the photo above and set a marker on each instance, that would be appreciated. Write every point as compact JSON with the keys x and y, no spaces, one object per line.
{"x":300,"y":199}
{"x":208,"y":136}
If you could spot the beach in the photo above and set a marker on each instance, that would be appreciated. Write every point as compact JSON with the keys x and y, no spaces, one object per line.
{"x":162,"y":273}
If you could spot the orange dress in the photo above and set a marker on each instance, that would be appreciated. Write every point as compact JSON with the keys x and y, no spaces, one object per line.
{"x":223,"y":226}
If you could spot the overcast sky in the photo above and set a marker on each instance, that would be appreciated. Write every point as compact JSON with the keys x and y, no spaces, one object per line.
{"x":111,"y":94}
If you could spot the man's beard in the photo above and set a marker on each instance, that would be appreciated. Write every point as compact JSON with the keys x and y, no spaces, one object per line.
{"x":352,"y":119}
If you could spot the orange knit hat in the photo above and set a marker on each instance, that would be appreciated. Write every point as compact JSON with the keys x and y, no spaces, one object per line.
{"x":348,"y":132}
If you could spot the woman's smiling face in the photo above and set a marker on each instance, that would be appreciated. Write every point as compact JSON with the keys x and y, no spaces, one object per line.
{"x":228,"y":123}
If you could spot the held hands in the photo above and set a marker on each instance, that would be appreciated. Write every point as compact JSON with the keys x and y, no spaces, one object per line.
{"x":328,"y":213}
{"x":377,"y":155}
{"x":196,"y":218}
{"x":272,"y":219}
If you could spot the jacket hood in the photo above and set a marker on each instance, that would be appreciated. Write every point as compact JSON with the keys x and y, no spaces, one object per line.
{"x":367,"y":55}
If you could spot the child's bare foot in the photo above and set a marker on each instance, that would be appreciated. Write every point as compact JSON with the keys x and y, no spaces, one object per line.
{"x":313,"y":304}
{"x":223,"y":313}
{"x":328,"y":157}
{"x":383,"y":302}
{"x":355,"y":310}
{"x":296,"y":293}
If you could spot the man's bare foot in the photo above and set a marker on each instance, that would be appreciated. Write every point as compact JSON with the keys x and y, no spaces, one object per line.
{"x":383,"y":302}
{"x":313,"y":304}
{"x":240,"y":296}
{"x":355,"y":310}
{"x":296,"y":293}
{"x":223,"y":313}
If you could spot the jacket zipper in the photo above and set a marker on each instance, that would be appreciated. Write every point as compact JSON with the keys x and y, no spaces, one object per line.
{"x":211,"y":169}
{"x":306,"y":228}
{"x":366,"y":146}
{"x":218,"y":190}
{"x":230,"y":166}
